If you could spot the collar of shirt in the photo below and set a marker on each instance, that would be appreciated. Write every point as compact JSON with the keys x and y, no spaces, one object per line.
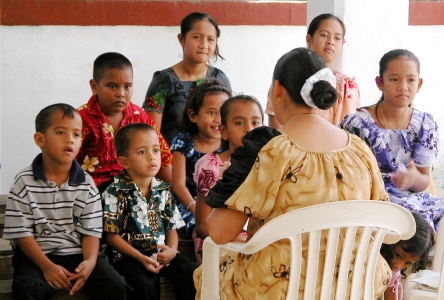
{"x":124,"y":182}
{"x":76,"y":174}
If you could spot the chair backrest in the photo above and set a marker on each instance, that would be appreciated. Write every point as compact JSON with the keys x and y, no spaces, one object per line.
{"x":373,"y":221}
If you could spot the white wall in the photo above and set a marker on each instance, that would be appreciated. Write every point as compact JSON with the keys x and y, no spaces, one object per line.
{"x":42,"y":65}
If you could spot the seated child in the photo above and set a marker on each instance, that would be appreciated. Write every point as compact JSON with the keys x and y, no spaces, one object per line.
{"x":413,"y":252}
{"x":108,"y":109}
{"x":200,"y":134}
{"x":141,"y":219}
{"x":239,"y":115}
{"x":54,"y":217}
{"x":404,"y":140}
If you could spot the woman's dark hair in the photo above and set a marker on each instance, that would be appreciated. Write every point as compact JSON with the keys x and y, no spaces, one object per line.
{"x":419,"y":245}
{"x":392,"y":55}
{"x":225,"y":108}
{"x":195,"y":101}
{"x":187,"y":24}
{"x":295,"y":67}
{"x":316,"y":22}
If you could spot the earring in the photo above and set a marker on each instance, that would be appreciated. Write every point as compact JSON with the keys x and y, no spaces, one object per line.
{"x":277,"y":100}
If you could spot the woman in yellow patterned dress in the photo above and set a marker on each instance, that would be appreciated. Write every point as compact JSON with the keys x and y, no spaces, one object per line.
{"x":309,"y":161}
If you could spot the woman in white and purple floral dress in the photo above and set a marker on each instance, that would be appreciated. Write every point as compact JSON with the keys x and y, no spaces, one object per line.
{"x":405,"y":145}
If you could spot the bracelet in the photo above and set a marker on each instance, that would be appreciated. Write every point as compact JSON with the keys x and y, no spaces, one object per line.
{"x":189,"y":205}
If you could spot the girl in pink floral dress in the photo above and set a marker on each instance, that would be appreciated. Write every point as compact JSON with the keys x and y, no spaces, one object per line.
{"x":239,"y":115}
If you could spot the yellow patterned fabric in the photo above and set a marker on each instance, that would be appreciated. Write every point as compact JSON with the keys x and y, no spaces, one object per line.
{"x":285,"y":177}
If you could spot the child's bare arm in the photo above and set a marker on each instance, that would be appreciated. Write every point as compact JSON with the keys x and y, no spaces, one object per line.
{"x":233,"y":221}
{"x":389,"y":295}
{"x":169,"y":250}
{"x":202,"y":212}
{"x":90,"y":247}
{"x":165,"y":174}
{"x":115,"y":241}
{"x":55,"y":275}
{"x":178,"y":186}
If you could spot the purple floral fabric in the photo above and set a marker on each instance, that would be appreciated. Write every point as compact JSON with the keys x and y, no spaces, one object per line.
{"x":394,"y":149}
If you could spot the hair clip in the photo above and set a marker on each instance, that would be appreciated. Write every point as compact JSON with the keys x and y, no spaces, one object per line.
{"x":343,"y":41}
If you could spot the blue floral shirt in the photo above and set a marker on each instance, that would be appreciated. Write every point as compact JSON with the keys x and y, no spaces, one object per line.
{"x":184,"y":143}
{"x":141,"y":222}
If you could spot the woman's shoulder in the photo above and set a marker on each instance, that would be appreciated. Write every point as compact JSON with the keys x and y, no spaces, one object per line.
{"x":361,"y":114}
{"x":425,"y":116}
{"x":168,"y":72}
{"x":423,"y":120}
{"x":214,"y":72}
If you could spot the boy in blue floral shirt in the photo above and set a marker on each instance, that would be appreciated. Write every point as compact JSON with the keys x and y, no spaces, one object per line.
{"x":140,"y":219}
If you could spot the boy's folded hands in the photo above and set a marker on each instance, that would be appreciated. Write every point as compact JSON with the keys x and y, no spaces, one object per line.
{"x":57,"y":276}
{"x":165,"y":254}
{"x":150,"y":264}
{"x":82,"y":273}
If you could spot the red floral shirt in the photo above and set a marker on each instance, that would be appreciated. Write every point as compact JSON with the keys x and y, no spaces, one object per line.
{"x":97,"y":156}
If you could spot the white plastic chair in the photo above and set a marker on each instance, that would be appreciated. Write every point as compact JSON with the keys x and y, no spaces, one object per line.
{"x":380,"y":221}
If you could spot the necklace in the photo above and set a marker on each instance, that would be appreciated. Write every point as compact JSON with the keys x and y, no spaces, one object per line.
{"x":296,"y":116}
{"x":385,"y":123}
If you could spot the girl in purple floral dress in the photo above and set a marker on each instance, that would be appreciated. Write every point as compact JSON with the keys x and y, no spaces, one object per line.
{"x":404,"y":140}
{"x":239,"y":115}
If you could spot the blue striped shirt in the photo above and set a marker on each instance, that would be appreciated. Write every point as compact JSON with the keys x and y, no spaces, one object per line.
{"x":56,"y":216}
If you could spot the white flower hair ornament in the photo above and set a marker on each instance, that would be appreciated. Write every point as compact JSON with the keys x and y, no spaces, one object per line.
{"x":324,"y":74}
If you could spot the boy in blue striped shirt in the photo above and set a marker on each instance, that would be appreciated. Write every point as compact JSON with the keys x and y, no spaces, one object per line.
{"x":54,"y":217}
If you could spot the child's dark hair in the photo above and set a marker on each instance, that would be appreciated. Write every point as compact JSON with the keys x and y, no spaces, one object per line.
{"x":316,"y":22}
{"x":295,"y":67}
{"x":392,"y":55}
{"x":188,"y":22}
{"x":225,"y":108}
{"x":419,"y":245}
{"x":109,"y":60}
{"x":395,"y":54}
{"x":195,"y":101}
{"x":43,"y":119}
{"x":122,"y":140}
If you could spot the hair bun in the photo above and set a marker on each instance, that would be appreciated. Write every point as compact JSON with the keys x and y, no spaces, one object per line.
{"x":324,"y":95}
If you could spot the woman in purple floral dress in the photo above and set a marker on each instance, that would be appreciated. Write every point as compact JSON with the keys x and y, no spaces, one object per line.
{"x":404,"y":140}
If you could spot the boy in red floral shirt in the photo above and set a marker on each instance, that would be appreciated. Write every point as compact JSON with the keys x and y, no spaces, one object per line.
{"x":109,"y":109}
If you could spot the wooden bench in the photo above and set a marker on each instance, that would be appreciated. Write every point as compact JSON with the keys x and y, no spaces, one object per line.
{"x":186,"y":247}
